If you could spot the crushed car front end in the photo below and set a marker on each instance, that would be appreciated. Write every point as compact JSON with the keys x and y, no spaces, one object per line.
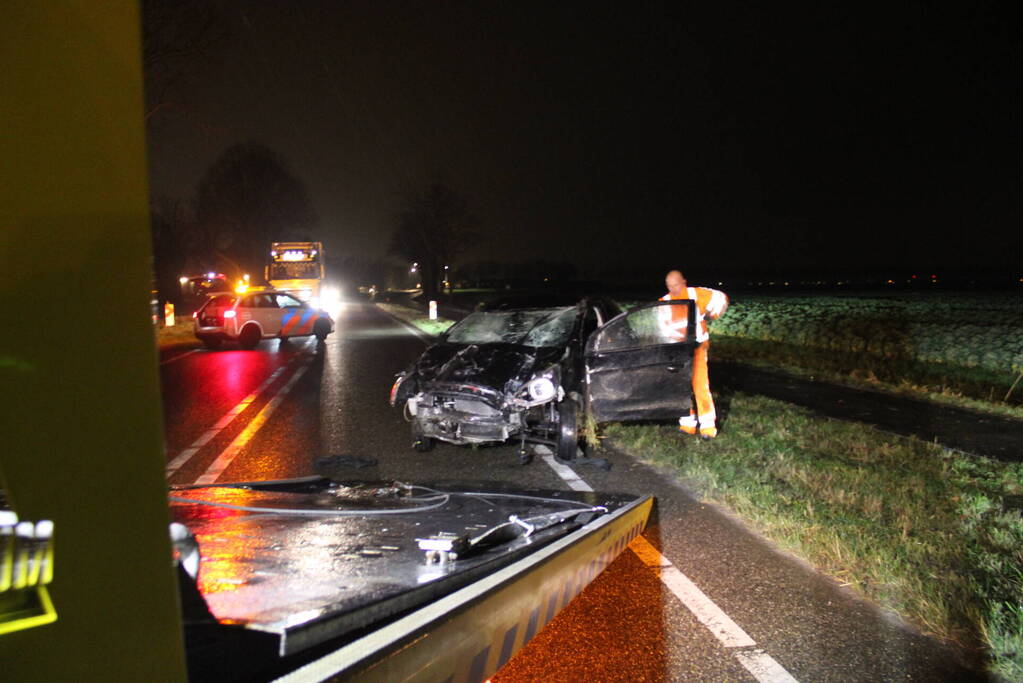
{"x":479,"y":393}
{"x":494,"y":378}
{"x":463,"y":414}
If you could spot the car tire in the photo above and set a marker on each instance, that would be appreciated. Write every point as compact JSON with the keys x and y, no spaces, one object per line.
{"x":248,"y":337}
{"x":211,"y":343}
{"x":568,"y":430}
{"x":321,"y":330}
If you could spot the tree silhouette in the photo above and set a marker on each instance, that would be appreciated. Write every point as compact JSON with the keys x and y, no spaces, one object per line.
{"x":247,"y":199}
{"x":179,"y":38}
{"x":433,"y":229}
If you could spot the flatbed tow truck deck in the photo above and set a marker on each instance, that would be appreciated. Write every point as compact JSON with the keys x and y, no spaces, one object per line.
{"x":313,"y":579}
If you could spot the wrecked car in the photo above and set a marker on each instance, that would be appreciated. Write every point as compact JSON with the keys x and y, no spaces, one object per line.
{"x":534,"y":373}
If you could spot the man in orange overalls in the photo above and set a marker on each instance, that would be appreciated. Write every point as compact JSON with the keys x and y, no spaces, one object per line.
{"x":710,"y":305}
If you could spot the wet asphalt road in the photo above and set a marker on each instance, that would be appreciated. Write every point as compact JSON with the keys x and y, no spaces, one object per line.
{"x":627,"y":625}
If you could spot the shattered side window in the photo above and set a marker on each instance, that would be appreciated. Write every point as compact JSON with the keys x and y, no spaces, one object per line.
{"x":540,"y":327}
{"x":664,"y":324}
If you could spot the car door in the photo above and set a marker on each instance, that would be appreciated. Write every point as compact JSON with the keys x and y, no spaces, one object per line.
{"x":297,"y":317}
{"x":639,"y":365}
{"x":246,"y":310}
{"x":268,"y":314}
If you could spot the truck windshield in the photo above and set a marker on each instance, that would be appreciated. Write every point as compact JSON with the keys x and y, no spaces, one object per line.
{"x":294,"y":270}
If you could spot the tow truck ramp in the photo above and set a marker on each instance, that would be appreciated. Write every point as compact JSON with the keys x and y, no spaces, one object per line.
{"x":311,"y":579}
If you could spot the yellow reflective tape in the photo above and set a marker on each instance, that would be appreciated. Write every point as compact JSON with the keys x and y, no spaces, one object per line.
{"x":20,"y":610}
{"x":6,"y":557}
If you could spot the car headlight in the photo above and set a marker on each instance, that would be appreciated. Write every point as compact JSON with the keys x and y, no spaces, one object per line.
{"x":541,"y":389}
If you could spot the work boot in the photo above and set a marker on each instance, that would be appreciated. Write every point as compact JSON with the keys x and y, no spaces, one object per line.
{"x":687,"y":424}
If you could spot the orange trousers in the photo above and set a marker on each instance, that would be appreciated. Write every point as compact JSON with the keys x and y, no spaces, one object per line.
{"x":703,"y":417}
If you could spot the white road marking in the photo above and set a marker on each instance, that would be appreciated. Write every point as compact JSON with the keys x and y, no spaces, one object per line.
{"x":178,"y":357}
{"x":186,"y":455}
{"x":761,"y":665}
{"x":226,"y":456}
{"x":709,"y":614}
{"x":573,"y":480}
{"x":409,"y":326}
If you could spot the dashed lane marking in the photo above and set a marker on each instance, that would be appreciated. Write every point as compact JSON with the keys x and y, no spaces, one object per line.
{"x":186,"y":455}
{"x":228,"y":455}
{"x":758,"y":663}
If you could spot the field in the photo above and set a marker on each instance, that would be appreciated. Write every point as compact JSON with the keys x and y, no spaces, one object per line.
{"x":982,"y":331}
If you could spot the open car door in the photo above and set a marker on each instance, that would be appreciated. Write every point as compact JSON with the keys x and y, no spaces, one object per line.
{"x":639,"y":365}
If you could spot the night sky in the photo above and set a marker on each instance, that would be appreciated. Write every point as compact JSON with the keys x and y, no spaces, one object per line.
{"x":708,"y":136}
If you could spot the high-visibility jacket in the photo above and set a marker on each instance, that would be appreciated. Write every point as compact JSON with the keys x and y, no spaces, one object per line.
{"x":710,"y":305}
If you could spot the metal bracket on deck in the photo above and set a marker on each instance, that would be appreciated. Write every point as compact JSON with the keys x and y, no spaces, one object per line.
{"x":443,"y":547}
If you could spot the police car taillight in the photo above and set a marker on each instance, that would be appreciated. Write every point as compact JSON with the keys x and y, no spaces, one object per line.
{"x":394,"y":388}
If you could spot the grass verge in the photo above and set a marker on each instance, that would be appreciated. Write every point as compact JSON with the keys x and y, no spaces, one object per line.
{"x":927,"y":533}
{"x":966,"y":387}
{"x":181,"y":334}
{"x":417,"y":318}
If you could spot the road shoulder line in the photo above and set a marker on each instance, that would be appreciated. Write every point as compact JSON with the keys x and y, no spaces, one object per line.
{"x":415,"y":330}
{"x":758,"y":663}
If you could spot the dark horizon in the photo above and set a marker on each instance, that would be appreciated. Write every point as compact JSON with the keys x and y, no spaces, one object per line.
{"x":721,"y":138}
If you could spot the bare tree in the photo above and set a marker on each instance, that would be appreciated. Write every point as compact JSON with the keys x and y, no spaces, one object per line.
{"x":179,"y":38}
{"x":247,"y":199}
{"x":433,"y":230}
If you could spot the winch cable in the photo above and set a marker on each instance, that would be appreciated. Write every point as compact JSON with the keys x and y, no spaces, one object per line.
{"x":440,"y":496}
{"x":315,"y":512}
{"x":483,"y":495}
{"x":436,"y":500}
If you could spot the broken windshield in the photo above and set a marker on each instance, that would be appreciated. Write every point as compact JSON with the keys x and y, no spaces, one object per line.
{"x":534,"y":327}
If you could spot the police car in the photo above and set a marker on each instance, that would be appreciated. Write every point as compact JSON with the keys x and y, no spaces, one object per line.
{"x":267,"y":314}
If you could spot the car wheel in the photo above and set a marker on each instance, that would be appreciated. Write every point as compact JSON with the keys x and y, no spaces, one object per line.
{"x":420,"y":442}
{"x":321,"y":330}
{"x":211,"y":343}
{"x":568,"y":430}
{"x":249,"y":337}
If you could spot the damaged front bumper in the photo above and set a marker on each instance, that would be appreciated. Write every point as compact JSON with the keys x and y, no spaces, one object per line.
{"x":465,"y":415}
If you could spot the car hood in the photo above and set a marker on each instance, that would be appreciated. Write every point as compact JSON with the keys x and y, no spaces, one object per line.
{"x":502,"y":367}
